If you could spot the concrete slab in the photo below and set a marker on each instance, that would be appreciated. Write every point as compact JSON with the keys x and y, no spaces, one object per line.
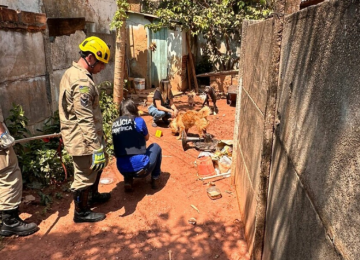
{"x":294,"y":229}
{"x":31,"y":95}
{"x":26,"y":58}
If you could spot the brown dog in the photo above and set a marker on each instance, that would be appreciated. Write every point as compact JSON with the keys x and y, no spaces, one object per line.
{"x":185,"y":120}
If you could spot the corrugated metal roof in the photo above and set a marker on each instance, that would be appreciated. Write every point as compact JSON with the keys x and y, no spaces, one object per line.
{"x":143,"y":14}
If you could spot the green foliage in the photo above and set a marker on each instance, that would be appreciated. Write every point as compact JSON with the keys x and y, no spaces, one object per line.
{"x":17,"y":122}
{"x":58,"y":195}
{"x":38,"y":159}
{"x":45,"y":200}
{"x":204,"y":65}
{"x":120,"y":14}
{"x":109,"y":112}
{"x":217,"y":21}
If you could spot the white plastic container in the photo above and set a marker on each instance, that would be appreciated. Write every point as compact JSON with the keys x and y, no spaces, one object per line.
{"x":139,"y":83}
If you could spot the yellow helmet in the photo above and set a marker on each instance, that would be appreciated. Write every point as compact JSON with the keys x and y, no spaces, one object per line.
{"x":97,"y":47}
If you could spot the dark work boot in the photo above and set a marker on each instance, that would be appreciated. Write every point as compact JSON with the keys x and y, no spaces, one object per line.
{"x":12,"y":224}
{"x":154,"y":184}
{"x":95,"y":197}
{"x":128,"y":184}
{"x":82,"y":211}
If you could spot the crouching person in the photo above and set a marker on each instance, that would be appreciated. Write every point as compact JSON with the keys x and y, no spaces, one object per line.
{"x":133,"y":159}
{"x":11,"y":188}
{"x":163,"y":106}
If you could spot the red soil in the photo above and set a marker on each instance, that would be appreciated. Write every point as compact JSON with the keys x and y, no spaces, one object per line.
{"x":145,"y":224}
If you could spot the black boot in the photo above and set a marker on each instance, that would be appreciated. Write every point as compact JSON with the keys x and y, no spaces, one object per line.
{"x":12,"y":224}
{"x":82,"y":211}
{"x":154,"y":184}
{"x":128,"y":184}
{"x":95,"y":196}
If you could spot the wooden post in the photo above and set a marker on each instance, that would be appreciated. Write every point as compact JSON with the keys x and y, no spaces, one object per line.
{"x":188,"y":73}
{"x":119,"y":64}
{"x":191,"y":62}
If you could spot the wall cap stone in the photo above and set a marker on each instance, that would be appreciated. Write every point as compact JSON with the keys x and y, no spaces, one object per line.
{"x":21,"y":20}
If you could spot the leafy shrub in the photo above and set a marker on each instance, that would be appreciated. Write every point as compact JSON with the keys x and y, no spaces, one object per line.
{"x":17,"y":122}
{"x":109,"y":112}
{"x":39,"y":160}
{"x":204,"y":65}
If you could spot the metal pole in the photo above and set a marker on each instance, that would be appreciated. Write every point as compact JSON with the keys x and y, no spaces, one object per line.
{"x":215,"y":176}
{"x":24,"y":140}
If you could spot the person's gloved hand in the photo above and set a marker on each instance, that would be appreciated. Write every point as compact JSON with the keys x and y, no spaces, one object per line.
{"x":98,"y":160}
{"x":6,"y":140}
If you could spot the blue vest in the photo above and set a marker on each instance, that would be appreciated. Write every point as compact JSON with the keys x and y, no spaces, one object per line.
{"x":127,"y":140}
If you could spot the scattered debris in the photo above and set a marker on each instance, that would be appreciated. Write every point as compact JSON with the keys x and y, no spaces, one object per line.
{"x":170,"y":252}
{"x":205,"y":166}
{"x":214,"y":193}
{"x":106,"y":180}
{"x":29,"y":198}
{"x":192,"y":221}
{"x":224,"y":175}
{"x":195,"y":208}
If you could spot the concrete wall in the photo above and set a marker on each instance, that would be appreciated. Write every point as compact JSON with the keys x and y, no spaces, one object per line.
{"x":223,"y":80}
{"x":32,"y":64}
{"x":312,"y":208}
{"x":251,"y":120}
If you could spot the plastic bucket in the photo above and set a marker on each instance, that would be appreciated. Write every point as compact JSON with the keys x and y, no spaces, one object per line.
{"x":205,"y":166}
{"x":139,"y":83}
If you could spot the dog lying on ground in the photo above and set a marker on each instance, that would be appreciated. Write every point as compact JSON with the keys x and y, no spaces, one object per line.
{"x":185,"y":120}
{"x":191,"y":97}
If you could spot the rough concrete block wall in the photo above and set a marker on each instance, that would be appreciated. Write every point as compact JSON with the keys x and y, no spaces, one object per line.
{"x":32,"y":64}
{"x":135,"y":5}
{"x":100,"y":13}
{"x":294,"y":230}
{"x":255,"y":64}
{"x":23,"y":56}
{"x":61,"y":59}
{"x":313,"y":205}
{"x":30,"y":6}
{"x":22,"y":70}
{"x":221,"y":83}
{"x":108,"y":73}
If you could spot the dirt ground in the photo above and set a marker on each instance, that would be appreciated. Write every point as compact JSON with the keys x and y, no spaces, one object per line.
{"x":144,"y":224}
